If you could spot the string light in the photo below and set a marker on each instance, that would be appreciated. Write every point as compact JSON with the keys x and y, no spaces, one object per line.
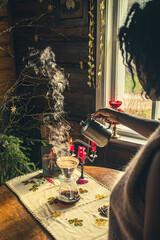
{"x":91,"y":60}
{"x":36,"y":37}
{"x":50,"y":7}
{"x":101,"y":42}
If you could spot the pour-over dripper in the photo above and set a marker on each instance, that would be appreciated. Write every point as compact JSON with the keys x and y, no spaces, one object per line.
{"x":67,"y":165}
{"x":68,"y":191}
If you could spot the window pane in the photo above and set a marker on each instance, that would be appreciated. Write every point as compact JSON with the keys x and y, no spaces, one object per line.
{"x":133,"y":102}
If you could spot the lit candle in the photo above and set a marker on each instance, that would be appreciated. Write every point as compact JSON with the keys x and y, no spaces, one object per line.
{"x":93,"y":148}
{"x":83,"y":154}
{"x":79,"y":152}
{"x":72,"y":148}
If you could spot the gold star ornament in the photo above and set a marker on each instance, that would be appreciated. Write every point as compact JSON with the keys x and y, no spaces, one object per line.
{"x":13,"y":109}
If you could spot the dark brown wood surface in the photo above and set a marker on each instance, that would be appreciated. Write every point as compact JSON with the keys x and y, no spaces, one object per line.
{"x":16,"y":223}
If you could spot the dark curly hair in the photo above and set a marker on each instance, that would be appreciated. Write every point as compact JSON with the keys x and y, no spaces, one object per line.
{"x":139,"y":40}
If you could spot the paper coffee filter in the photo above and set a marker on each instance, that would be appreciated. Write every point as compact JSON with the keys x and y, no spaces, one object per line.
{"x":67,"y":162}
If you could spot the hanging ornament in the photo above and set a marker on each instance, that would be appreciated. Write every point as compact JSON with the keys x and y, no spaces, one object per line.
{"x":36,"y":37}
{"x":101,"y":42}
{"x":50,"y":7}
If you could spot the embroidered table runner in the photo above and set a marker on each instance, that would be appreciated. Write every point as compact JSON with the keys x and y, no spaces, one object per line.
{"x":79,"y":221}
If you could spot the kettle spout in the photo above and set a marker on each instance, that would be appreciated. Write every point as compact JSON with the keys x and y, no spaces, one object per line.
{"x":82,"y":142}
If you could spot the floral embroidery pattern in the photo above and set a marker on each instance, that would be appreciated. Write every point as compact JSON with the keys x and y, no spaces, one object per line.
{"x":56,"y":214}
{"x":76,"y":221}
{"x":98,"y":196}
{"x":81,"y":190}
{"x":38,"y":180}
{"x":52,"y":200}
{"x":100,"y":222}
{"x":27,"y":182}
{"x":34,"y":188}
{"x":36,"y":183}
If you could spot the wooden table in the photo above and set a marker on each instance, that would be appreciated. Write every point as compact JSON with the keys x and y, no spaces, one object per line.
{"x":16,"y":223}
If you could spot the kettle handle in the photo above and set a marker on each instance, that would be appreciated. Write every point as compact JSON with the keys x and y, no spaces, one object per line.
{"x":110,"y":122}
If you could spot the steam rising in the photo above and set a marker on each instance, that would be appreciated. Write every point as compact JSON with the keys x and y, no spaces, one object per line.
{"x":59,"y":129}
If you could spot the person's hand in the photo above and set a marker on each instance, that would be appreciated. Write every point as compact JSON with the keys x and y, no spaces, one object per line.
{"x":107,"y":114}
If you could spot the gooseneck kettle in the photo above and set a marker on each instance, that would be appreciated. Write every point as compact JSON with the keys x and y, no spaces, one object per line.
{"x":96,"y":132}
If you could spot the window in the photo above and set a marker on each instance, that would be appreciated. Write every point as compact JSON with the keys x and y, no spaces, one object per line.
{"x":117,"y":82}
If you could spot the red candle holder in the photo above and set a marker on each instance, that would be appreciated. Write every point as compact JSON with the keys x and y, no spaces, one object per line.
{"x":115,"y":104}
{"x":93,"y":147}
{"x":82,"y":157}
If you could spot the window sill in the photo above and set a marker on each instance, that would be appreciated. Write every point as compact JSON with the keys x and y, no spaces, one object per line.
{"x":129,"y":141}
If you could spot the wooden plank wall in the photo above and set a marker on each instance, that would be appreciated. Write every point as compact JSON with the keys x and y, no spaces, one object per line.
{"x":70,"y":45}
{"x":7,"y":61}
